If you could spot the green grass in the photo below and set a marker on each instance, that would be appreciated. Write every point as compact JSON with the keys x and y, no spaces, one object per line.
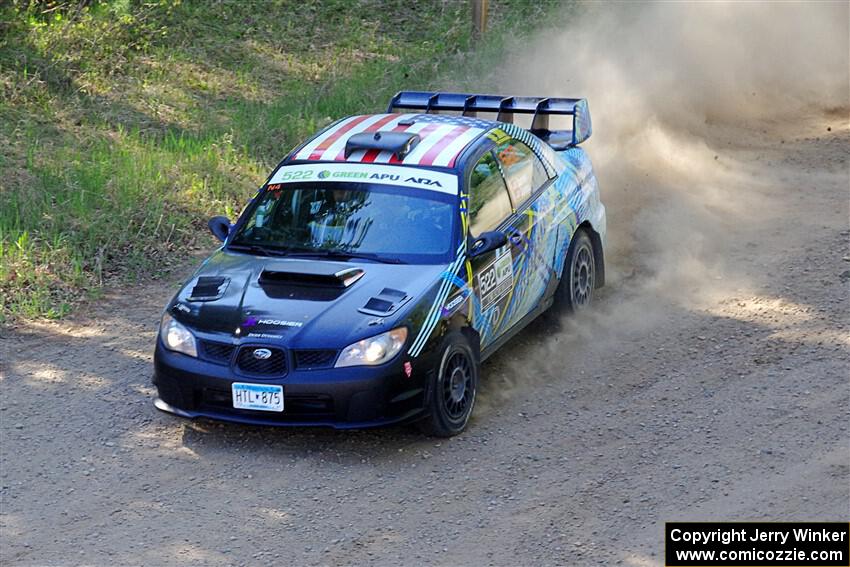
{"x":125,"y":124}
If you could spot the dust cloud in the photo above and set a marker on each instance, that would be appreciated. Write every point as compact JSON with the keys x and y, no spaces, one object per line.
{"x":683,"y":97}
{"x":659,"y":77}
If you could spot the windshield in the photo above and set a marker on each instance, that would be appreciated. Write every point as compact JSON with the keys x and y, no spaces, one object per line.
{"x":385,"y":223}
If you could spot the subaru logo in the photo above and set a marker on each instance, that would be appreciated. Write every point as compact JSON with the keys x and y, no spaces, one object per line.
{"x":262,"y":353}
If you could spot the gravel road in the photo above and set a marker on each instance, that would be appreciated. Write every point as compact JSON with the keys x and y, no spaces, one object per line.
{"x":708,"y":384}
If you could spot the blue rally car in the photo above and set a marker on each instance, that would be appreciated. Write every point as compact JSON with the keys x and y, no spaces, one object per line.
{"x":382,"y":261}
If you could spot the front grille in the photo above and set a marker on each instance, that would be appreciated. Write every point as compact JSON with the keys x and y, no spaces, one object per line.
{"x":274,"y":365}
{"x":217,"y":352}
{"x":310,"y":359}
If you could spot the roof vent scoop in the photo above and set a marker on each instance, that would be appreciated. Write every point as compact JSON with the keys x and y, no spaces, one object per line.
{"x":209,"y":288}
{"x":399,"y":143}
{"x":385,"y":303}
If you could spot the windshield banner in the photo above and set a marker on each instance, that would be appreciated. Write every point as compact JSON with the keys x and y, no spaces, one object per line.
{"x":414,"y":178}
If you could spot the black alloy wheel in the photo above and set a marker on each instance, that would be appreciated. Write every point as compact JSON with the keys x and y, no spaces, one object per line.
{"x":453,"y":388}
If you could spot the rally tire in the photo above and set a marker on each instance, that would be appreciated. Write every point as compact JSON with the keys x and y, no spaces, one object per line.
{"x":575,"y":291}
{"x":453,"y":387}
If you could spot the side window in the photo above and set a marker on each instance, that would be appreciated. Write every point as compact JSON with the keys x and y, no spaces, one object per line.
{"x":524,"y":172}
{"x":489,"y":204}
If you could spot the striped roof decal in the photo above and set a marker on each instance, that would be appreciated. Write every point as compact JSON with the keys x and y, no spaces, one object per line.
{"x":442,"y":138}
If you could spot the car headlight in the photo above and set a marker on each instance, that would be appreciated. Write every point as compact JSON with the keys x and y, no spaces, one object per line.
{"x":176,"y":337}
{"x":374,"y":350}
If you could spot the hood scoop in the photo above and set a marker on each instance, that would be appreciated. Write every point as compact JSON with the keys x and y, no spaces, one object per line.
{"x":385,"y":303}
{"x":309,"y":281}
{"x":209,"y":288}
{"x":313,"y":276}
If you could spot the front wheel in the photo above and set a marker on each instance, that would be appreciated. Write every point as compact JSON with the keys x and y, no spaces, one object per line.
{"x":575,"y":292}
{"x":453,"y":389}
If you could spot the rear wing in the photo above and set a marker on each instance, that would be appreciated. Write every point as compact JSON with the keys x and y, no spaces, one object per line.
{"x":505,"y":107}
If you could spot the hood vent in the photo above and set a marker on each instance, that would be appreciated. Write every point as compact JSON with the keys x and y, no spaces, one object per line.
{"x":385,"y":303}
{"x":338,"y":280}
{"x":209,"y":288}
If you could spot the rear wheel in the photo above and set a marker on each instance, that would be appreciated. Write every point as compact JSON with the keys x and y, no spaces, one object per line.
{"x":453,"y":389}
{"x":575,"y":292}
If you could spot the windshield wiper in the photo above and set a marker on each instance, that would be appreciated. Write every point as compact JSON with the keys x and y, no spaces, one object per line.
{"x":257,"y":250}
{"x":343,"y":254}
{"x":293,"y":252}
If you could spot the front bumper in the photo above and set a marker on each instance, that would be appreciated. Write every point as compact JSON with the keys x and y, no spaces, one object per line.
{"x":344,"y":398}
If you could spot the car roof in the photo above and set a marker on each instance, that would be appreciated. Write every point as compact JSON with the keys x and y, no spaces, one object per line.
{"x":442,"y":138}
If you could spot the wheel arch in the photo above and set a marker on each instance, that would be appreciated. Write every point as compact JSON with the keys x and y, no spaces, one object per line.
{"x":598,"y":252}
{"x":460,"y":324}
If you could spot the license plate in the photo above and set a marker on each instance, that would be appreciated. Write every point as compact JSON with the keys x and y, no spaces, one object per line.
{"x":262,"y":397}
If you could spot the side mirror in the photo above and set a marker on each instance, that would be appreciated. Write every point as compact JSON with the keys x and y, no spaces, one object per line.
{"x":486,"y":242}
{"x":220,"y":227}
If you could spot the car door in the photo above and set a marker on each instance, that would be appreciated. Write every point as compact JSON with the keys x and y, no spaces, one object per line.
{"x":531,"y":230}
{"x":490,"y":209}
